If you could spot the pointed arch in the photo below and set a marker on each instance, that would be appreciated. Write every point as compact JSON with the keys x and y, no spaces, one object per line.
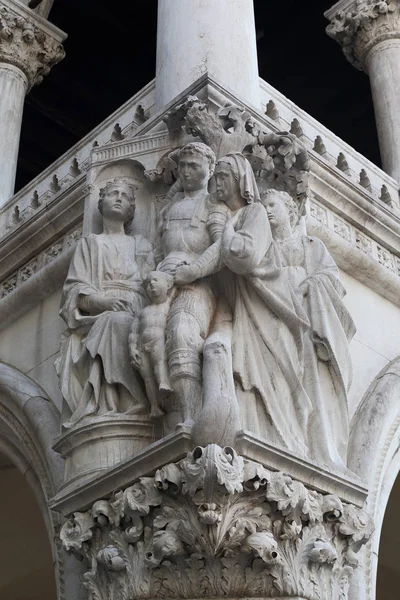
{"x":29,"y":424}
{"x":374,"y":455}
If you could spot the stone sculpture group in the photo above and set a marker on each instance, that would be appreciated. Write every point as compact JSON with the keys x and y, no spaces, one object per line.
{"x":232,"y":320}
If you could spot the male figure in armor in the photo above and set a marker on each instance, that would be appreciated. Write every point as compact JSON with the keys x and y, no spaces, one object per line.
{"x":190,"y":225}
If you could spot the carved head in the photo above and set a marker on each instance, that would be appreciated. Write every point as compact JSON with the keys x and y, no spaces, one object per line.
{"x":158,"y":285}
{"x":196,"y":162}
{"x":281,"y":208}
{"x":117,"y":200}
{"x":235,"y":183}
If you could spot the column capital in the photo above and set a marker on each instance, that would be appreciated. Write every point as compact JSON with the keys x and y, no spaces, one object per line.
{"x":360,"y":25}
{"x":28,"y":41}
{"x":216,"y":525}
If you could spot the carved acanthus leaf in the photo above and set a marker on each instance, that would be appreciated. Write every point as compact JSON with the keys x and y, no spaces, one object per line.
{"x":279,"y":160}
{"x":193,"y":530}
{"x":359,"y":29}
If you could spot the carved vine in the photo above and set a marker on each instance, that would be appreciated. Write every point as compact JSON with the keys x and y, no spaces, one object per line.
{"x":215,"y":525}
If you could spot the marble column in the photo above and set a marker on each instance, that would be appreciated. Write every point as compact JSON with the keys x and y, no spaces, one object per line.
{"x":29,"y":47}
{"x":13,"y":87}
{"x":369,"y":33}
{"x":215,"y":37}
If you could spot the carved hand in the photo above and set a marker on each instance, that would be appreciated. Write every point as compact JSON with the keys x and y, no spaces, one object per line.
{"x":186,"y":274}
{"x":96,"y":304}
{"x":135,"y":356}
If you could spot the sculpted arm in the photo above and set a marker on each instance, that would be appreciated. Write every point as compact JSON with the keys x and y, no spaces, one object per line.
{"x":208,"y":263}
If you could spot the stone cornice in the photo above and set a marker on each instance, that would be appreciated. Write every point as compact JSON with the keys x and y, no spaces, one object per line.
{"x":28,"y":42}
{"x":360,"y":26}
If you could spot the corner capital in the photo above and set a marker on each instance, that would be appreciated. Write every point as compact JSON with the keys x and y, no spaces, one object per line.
{"x":359,"y":25}
{"x":28,"y":42}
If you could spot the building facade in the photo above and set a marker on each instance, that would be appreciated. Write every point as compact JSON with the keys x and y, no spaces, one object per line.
{"x":199,"y":312}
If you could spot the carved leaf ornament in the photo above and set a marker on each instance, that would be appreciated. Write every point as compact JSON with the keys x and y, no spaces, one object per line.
{"x":214,"y":524}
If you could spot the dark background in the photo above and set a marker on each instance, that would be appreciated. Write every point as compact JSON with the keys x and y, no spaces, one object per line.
{"x":110,"y":55}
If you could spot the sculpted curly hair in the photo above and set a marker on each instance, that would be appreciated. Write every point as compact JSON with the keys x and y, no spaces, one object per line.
{"x":290,"y":204}
{"x":200,"y":148}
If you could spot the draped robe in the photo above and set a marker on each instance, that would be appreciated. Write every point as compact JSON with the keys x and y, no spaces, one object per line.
{"x":94,"y":366}
{"x":290,"y":351}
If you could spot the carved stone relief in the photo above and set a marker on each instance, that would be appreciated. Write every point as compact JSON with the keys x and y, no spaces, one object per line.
{"x":214,"y":525}
{"x":103,"y":290}
{"x":358,"y":30}
{"x":228,"y":319}
{"x":27,"y":45}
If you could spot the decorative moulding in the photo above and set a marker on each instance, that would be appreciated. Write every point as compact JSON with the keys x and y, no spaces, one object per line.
{"x":75,"y":496}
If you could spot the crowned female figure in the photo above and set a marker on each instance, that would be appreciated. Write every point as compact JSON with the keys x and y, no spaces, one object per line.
{"x":102,"y":293}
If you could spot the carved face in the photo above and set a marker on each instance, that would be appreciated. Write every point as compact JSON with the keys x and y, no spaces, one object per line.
{"x":158,"y":285}
{"x":227,"y":187}
{"x":277,"y":211}
{"x":117,"y":203}
{"x":193,"y":171}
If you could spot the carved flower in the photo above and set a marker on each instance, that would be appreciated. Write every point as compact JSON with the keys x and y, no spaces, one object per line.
{"x":291,"y":530}
{"x":212,"y":463}
{"x":76,"y":530}
{"x":322,"y":552}
{"x":8,"y":23}
{"x":209,"y":514}
{"x":263,"y":545}
{"x":28,"y":32}
{"x":141,"y":496}
{"x":110,"y":558}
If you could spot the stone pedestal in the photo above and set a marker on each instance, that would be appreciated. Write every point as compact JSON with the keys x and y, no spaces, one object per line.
{"x":29,"y":47}
{"x":369,"y":32}
{"x":97,"y":446}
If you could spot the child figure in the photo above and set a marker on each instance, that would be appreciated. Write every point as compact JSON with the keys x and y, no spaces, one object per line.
{"x":147,"y":339}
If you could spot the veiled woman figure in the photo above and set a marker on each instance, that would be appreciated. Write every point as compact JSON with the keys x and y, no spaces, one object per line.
{"x":268,"y":320}
{"x":291,"y":360}
{"x":102,"y":292}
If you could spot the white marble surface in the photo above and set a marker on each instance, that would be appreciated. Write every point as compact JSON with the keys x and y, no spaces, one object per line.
{"x":13,"y":87}
{"x":197,"y":37}
{"x":383,"y":64}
